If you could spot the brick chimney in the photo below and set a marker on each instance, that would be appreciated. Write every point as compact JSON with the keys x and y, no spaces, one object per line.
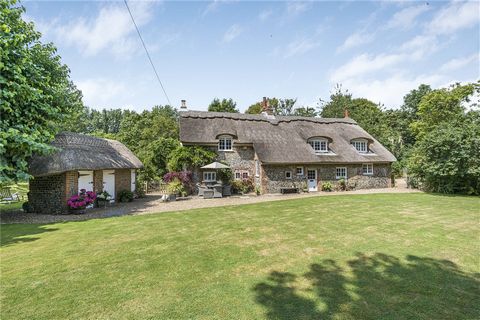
{"x":266,"y":108}
{"x":346,"y":115}
{"x":183,"y":106}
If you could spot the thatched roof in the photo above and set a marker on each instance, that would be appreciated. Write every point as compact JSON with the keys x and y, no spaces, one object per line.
{"x":283,"y":140}
{"x":82,"y":152}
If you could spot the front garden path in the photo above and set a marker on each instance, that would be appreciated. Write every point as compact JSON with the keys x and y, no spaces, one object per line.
{"x":152,"y":203}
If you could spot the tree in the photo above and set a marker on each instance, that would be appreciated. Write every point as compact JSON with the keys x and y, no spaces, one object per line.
{"x":443,"y":105}
{"x":223,"y":106}
{"x":366,"y":113}
{"x":447,"y":158}
{"x":36,"y":94}
{"x":339,"y":101}
{"x":305,"y":112}
{"x":189,"y":157}
{"x":255,"y":108}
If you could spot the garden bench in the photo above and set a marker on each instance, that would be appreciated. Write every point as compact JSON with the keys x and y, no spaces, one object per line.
{"x":7,"y":196}
{"x":284,"y":190}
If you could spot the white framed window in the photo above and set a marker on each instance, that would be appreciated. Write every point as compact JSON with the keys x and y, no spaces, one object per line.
{"x":319,"y":145}
{"x":225,"y":143}
{"x":341,"y":173}
{"x":367,"y":169}
{"x":209,"y":176}
{"x":299,"y":171}
{"x":257,"y":168}
{"x":241,"y":174}
{"x":288,"y":174}
{"x":360,"y":145}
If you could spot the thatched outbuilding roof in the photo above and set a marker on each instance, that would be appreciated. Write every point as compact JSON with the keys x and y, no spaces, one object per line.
{"x":82,"y":152}
{"x":283,"y":139}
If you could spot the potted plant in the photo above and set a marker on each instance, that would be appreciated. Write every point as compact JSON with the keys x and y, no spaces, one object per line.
{"x":174,"y":188}
{"x":125,"y":196}
{"x":78,"y":203}
{"x":103,"y":198}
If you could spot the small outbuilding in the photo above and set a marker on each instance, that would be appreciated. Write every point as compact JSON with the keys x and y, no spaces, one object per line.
{"x":80,"y":162}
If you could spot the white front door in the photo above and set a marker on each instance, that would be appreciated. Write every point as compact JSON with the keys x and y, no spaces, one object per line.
{"x":109,"y":182}
{"x":312,"y":179}
{"x":132,"y":180}
{"x":85,"y":180}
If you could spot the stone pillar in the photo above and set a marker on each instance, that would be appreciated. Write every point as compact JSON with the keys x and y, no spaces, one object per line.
{"x":122,"y":181}
{"x":98,"y":181}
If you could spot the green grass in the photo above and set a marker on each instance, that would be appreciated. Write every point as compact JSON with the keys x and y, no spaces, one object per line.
{"x":383,"y":256}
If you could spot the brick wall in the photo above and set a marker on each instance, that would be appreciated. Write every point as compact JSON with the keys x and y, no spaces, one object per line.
{"x":48,"y":194}
{"x":98,"y":181}
{"x":122,"y":180}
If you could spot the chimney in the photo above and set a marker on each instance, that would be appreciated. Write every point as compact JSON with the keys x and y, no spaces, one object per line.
{"x":266,"y":109}
{"x":184,"y":105}
{"x":346,"y":113}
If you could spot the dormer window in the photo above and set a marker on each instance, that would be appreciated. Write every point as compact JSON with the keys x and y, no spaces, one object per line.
{"x":319,"y":145}
{"x":225,"y":143}
{"x":361,"y":145}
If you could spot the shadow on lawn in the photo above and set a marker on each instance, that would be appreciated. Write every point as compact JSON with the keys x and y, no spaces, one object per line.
{"x":17,"y":233}
{"x":376,"y":287}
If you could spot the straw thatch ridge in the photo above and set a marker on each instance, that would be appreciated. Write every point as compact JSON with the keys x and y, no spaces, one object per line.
{"x":76,"y":151}
{"x":283,"y":139}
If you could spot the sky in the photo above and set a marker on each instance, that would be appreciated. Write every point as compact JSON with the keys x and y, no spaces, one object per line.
{"x":246,"y":50}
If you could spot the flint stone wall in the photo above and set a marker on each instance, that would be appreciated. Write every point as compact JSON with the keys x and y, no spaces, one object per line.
{"x":274,"y":177}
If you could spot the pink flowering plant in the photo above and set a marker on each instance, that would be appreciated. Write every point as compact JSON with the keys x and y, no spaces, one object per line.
{"x":81,"y":200}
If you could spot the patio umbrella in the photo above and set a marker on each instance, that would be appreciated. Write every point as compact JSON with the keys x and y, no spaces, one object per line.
{"x":216,"y":165}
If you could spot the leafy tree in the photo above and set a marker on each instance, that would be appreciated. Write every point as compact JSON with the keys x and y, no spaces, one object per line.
{"x":187,"y":157}
{"x":443,"y":105}
{"x":37,"y":94}
{"x":408,"y":113}
{"x":224,"y":105}
{"x":339,"y":101}
{"x":283,"y":107}
{"x":155,"y":157}
{"x":447,"y":158}
{"x":255,"y":108}
{"x":367,"y":114}
{"x":306,"y":112}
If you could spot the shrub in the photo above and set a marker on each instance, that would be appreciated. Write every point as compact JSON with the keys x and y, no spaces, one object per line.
{"x":327,"y":186}
{"x":225,"y":175}
{"x":342,"y":185}
{"x":185,"y":178}
{"x":243,"y":186}
{"x":125,"y":196}
{"x":81,"y":200}
{"x":175,"y":187}
{"x":27,"y":207}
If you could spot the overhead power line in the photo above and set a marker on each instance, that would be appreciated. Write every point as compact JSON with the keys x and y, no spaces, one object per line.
{"x":148,"y":55}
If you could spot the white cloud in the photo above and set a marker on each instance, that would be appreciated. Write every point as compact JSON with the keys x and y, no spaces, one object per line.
{"x":459,"y":63}
{"x":111,"y":30}
{"x":420,"y":46}
{"x":232,"y":32}
{"x":211,"y":7}
{"x":405,"y":18}
{"x":456,"y":16}
{"x":294,"y":8}
{"x":99,"y":92}
{"x":364,"y":64}
{"x":356,"y":39}
{"x":264,"y":15}
{"x":300,"y":46}
{"x":390,"y":91}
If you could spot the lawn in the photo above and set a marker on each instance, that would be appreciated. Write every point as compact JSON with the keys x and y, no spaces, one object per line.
{"x":21,"y":189}
{"x":382,"y":256}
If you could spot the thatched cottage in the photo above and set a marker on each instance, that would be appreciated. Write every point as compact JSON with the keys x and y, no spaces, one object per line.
{"x":80,"y":162}
{"x":285,"y":151}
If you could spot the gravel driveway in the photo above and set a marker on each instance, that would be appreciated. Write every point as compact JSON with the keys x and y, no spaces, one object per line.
{"x":152,"y":203}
